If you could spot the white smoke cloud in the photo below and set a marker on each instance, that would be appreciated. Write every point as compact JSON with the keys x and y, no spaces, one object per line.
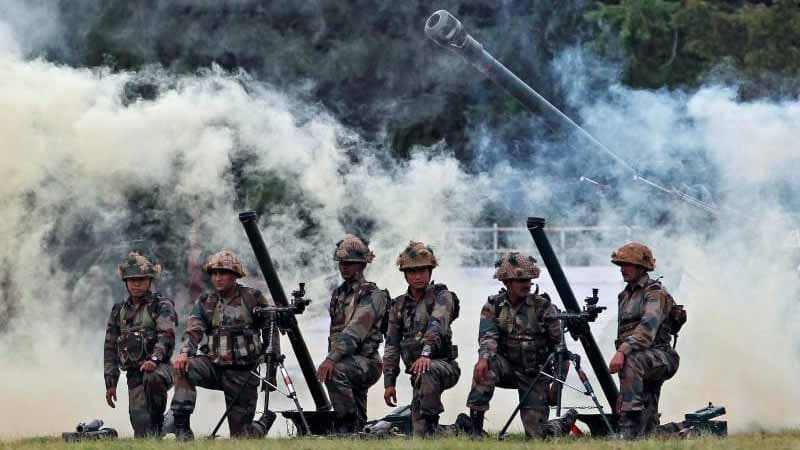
{"x":737,"y":273}
{"x":73,"y":149}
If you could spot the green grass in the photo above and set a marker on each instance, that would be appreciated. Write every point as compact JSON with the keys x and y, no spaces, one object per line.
{"x":751,"y":441}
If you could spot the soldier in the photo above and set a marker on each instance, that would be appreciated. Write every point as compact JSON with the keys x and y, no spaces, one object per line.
{"x":419,"y":333}
{"x":644,"y":357}
{"x":518,"y":331}
{"x":353,"y":363}
{"x":140,"y":336}
{"x":235,"y":346}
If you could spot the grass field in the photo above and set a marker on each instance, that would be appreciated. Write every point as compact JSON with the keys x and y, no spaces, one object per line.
{"x":753,"y":441}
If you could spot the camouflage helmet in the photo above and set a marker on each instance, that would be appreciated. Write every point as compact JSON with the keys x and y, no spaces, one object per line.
{"x":415,"y":255}
{"x":516,"y":266}
{"x":137,"y":265}
{"x":225,"y":260}
{"x":636,"y":254}
{"x":353,"y":249}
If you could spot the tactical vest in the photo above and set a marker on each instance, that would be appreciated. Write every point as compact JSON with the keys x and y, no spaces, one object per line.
{"x":138,"y":336}
{"x":526,"y":345}
{"x":234,"y":339}
{"x":414,"y":319}
{"x":630,"y":318}
{"x":369,"y":347}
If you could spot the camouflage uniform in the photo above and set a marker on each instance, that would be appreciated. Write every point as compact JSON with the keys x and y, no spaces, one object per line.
{"x":356,"y":309}
{"x":419,"y":327}
{"x":137,"y":331}
{"x":643,"y":336}
{"x":235,"y":348}
{"x":516,"y":341}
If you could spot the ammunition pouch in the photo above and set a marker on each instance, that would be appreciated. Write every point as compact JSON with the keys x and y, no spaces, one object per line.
{"x":229,"y":346}
{"x":411,"y":349}
{"x":525,"y":351}
{"x":134,"y":346}
{"x":677,"y":317}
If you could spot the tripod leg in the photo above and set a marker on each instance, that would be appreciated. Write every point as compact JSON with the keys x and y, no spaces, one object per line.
{"x":522,"y":400}
{"x":271,"y":375}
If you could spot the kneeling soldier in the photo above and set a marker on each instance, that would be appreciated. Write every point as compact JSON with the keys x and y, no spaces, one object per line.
{"x":644,"y":357}
{"x":419,"y":333}
{"x":140,"y":336}
{"x":518,"y":331}
{"x":225,"y":315}
{"x":353,"y":363}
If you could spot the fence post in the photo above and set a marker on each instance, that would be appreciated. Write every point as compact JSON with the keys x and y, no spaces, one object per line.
{"x":495,"y":242}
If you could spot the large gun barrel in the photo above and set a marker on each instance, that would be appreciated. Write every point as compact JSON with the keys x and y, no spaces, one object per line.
{"x":579,"y":330}
{"x":447,"y":31}
{"x":249,"y":222}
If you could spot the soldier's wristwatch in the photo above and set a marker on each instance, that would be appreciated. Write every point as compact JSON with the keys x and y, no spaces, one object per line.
{"x":425,"y":354}
{"x":155,"y":359}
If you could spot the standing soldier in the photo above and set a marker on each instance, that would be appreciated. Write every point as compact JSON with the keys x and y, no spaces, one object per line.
{"x":419,"y":333}
{"x":353,"y":363}
{"x":140,"y":336}
{"x":225,"y":315}
{"x":644,"y":357}
{"x":518,"y":331}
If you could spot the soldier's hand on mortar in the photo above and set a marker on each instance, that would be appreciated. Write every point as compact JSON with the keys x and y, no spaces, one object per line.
{"x":181,"y":363}
{"x":616,"y":362}
{"x":390,"y":396}
{"x":147,"y":367}
{"x":325,"y":371}
{"x":481,"y":369}
{"x":111,"y":396}
{"x":421,"y":365}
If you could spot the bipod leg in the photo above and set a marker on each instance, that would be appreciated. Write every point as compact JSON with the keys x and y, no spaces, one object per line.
{"x":213,"y":434}
{"x":590,"y":393}
{"x":292,"y":393}
{"x":502,"y":434}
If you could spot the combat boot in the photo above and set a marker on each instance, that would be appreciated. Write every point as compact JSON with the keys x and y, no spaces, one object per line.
{"x":431,"y":425}
{"x":260,"y":428}
{"x":183,"y":431}
{"x":630,"y":425}
{"x":346,"y":424}
{"x":156,"y":426}
{"x":476,"y":417}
